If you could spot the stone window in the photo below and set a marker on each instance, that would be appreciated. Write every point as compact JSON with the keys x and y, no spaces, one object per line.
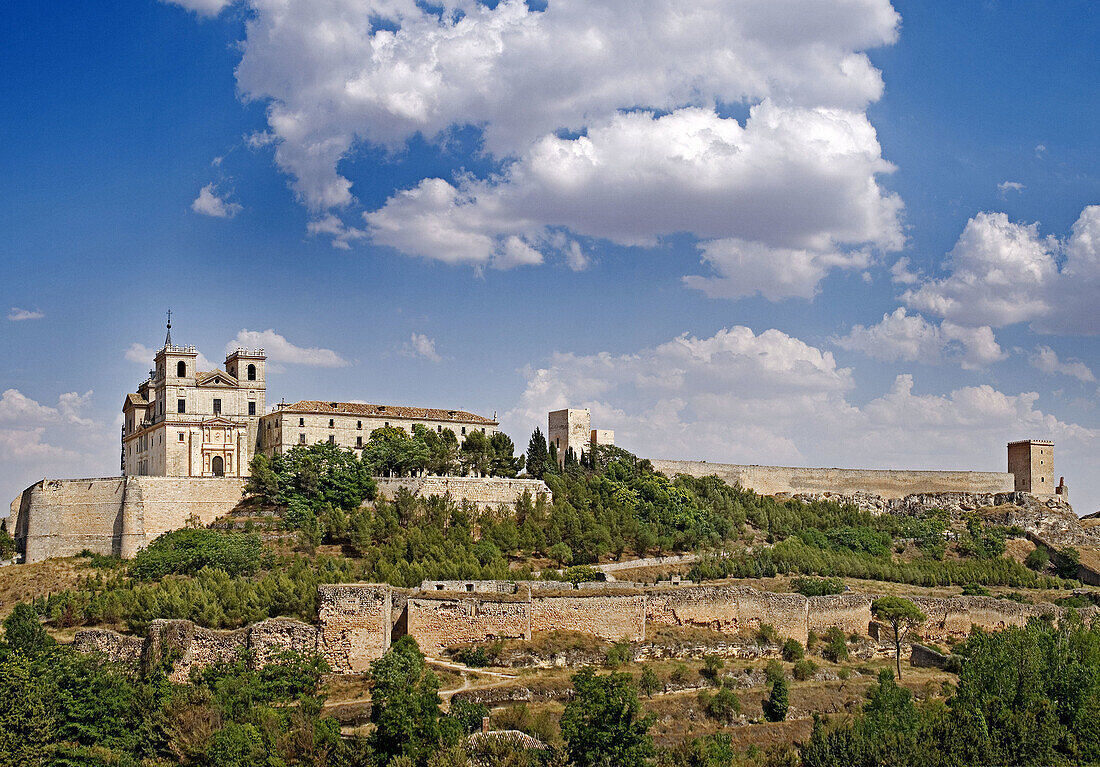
{"x":482,"y":429}
{"x":251,"y":372}
{"x":301,"y":422}
{"x":331,"y":422}
{"x":387,"y":424}
{"x":439,"y":429}
{"x":252,"y":408}
{"x":331,"y":439}
{"x":301,"y":439}
{"x":181,"y":436}
{"x":463,"y":431}
{"x":181,"y":406}
{"x":217,"y":407}
{"x":469,"y":587}
{"x":181,"y":369}
{"x":358,"y":441}
{"x":358,"y":424}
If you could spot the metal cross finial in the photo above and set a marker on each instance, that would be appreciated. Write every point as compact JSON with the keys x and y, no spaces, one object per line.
{"x":168,"y":338}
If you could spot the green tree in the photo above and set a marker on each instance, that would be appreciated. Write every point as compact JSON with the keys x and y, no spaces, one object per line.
{"x":778,"y":702}
{"x":1068,"y":562}
{"x":26,"y":724}
{"x":538,"y":455}
{"x":649,"y":683}
{"x":901,"y":615}
{"x":1038,"y":559}
{"x":405,"y":705}
{"x":560,"y":553}
{"x":603,"y":725}
{"x":263,"y":482}
{"x":23,"y":632}
{"x":476,"y":454}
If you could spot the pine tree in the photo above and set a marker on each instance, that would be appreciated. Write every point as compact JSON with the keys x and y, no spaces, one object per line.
{"x":538,"y":456}
{"x":778,"y":702}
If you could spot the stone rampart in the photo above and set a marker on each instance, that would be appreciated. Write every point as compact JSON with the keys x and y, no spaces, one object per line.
{"x":356,"y":624}
{"x":608,"y":616}
{"x":483,"y":491}
{"x":113,"y":515}
{"x":730,"y":609}
{"x":441,"y":622}
{"x":851,"y":613}
{"x":888,"y":483}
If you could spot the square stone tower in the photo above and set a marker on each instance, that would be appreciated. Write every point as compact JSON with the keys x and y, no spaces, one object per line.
{"x":1031,"y":462}
{"x":570,"y":428}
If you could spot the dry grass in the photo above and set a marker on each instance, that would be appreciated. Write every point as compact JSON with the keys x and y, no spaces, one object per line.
{"x":23,"y":583}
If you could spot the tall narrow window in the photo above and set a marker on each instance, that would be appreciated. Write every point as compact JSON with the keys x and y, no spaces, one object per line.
{"x":181,"y":369}
{"x":358,"y":424}
{"x":181,"y":406}
{"x":301,"y":422}
{"x":252,"y":408}
{"x":358,"y":441}
{"x":181,"y":436}
{"x":301,"y":439}
{"x":331,"y":439}
{"x":251,"y":372}
{"x":217,"y":407}
{"x":331,"y":423}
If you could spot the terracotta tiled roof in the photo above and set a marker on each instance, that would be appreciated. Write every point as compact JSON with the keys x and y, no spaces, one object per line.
{"x":136,"y":399}
{"x":317,"y":407}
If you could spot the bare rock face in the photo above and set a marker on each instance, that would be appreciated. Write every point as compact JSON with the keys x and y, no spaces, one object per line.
{"x":1050,"y":518}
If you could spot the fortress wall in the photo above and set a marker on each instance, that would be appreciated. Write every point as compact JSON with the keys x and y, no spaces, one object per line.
{"x":888,"y":483}
{"x":159,"y":504}
{"x":784,"y":612}
{"x":114,"y":515}
{"x":484,"y":491}
{"x":713,"y":607}
{"x":954,"y":617}
{"x":116,"y":647}
{"x":851,"y":613}
{"x":612,"y":617}
{"x":62,"y":517}
{"x":441,"y":622}
{"x":355,"y":624}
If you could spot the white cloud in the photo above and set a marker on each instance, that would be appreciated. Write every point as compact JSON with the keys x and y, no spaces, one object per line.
{"x":278,"y":349}
{"x":912,"y":338}
{"x":772,"y":399}
{"x":900,"y":274}
{"x":1046,"y":360}
{"x":19,"y":315}
{"x":601,"y":121}
{"x":209,"y":8}
{"x":208,"y":203}
{"x":1001,"y":273}
{"x":1010,"y":186}
{"x":342,"y":235}
{"x":419,"y":345}
{"x":794,"y":190}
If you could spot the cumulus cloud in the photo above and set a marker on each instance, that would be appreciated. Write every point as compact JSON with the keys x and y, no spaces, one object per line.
{"x":278,"y":349}
{"x":209,"y":203}
{"x":1001,"y":273}
{"x":912,"y":338}
{"x":19,"y":315}
{"x":1010,"y":186}
{"x":208,"y":8}
{"x":900,"y":274}
{"x":602,"y":122}
{"x":1046,"y":360}
{"x":770,"y":398}
{"x":419,"y":345}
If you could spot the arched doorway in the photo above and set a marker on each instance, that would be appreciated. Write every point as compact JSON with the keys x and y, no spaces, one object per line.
{"x":217,"y":466}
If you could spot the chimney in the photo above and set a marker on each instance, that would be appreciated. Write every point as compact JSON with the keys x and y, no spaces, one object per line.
{"x":484,"y":724}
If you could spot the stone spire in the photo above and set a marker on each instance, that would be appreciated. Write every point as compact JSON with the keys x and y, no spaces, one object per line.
{"x":168,"y":338}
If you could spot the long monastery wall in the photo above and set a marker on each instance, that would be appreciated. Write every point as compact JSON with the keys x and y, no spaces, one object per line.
{"x":483,"y":491}
{"x":888,"y":483}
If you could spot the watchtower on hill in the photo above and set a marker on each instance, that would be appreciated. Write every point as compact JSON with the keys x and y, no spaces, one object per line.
{"x":1031,"y":463}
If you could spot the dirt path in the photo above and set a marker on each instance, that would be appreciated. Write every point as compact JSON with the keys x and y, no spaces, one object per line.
{"x":496,"y":679}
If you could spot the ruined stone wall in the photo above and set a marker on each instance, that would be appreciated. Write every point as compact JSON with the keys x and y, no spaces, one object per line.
{"x":955,"y":616}
{"x":888,"y":483}
{"x":849,"y":612}
{"x":484,"y":491}
{"x":438,"y":622}
{"x":730,"y":609}
{"x":356,"y":624}
{"x":609,"y":616}
{"x":113,"y":515}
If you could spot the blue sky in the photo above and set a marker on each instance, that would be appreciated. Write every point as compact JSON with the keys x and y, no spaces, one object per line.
{"x":833,"y":233}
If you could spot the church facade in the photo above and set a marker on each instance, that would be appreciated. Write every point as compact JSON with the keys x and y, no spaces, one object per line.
{"x":186,"y":422}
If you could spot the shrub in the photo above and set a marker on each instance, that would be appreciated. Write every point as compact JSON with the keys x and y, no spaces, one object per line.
{"x":649,"y":683}
{"x":792,"y":650}
{"x":474,"y":657}
{"x":469,"y":715}
{"x":1067,"y":562}
{"x":581,"y":574}
{"x":712,"y":664}
{"x":679,"y":674}
{"x":722,"y":706}
{"x":817,"y":587}
{"x":804,"y":669}
{"x":185,"y":552}
{"x":619,"y":654}
{"x":778,"y":702}
{"x":836,"y":646}
{"x":766,"y":634}
{"x":773,"y":671}
{"x":1038,"y":559}
{"x":975,"y":590}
